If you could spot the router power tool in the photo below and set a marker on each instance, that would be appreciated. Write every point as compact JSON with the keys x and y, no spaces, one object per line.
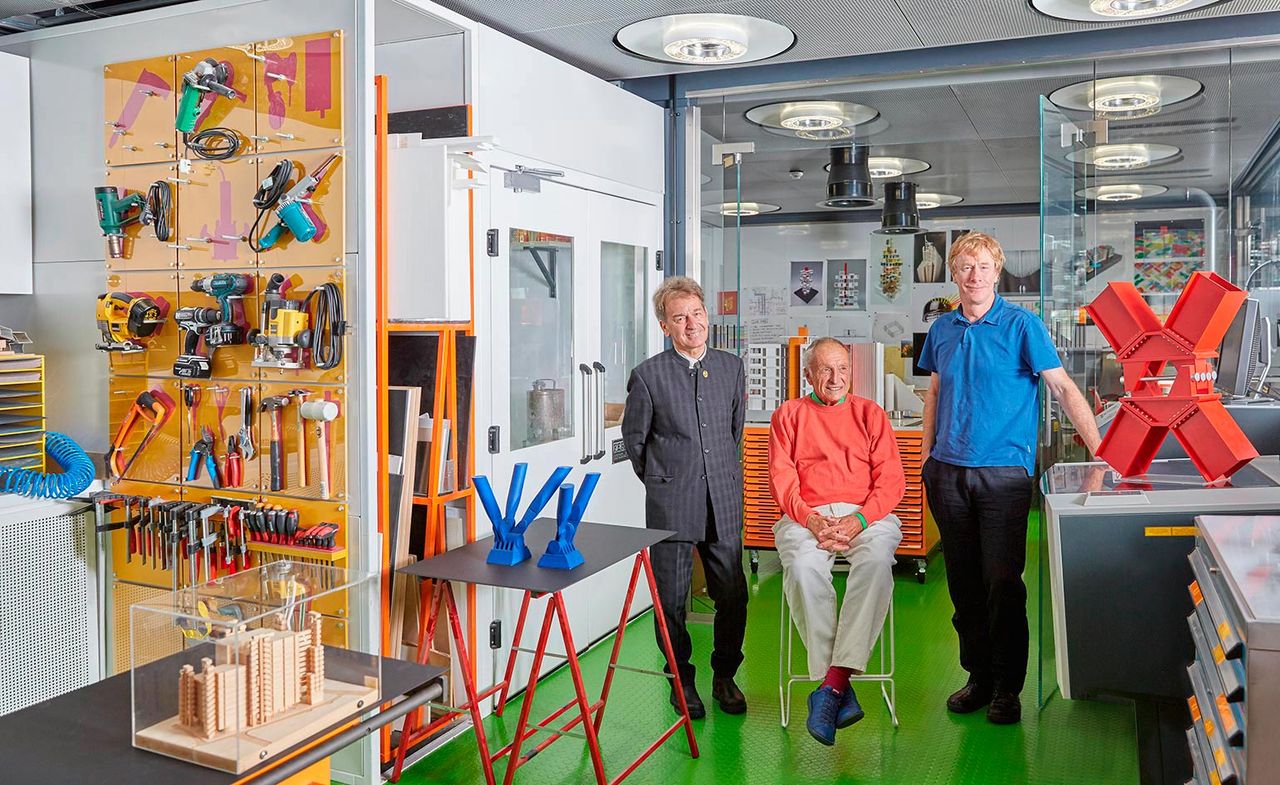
{"x":126,"y":318}
{"x":292,"y":205}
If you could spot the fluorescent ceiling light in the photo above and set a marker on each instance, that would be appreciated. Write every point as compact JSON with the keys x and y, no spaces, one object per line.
{"x":1121,"y":192}
{"x":705,"y":39}
{"x":737,"y":209}
{"x":1137,"y":155}
{"x":1115,"y":10}
{"x":1126,"y":97}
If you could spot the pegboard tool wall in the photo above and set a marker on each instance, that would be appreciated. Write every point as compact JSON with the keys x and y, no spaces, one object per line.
{"x":287,"y":104}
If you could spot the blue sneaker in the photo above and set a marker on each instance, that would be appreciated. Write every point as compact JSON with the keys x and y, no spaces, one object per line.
{"x":824,"y":706}
{"x":850,"y":712}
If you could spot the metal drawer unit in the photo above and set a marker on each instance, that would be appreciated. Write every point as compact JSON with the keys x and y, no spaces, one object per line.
{"x":1235,"y":626}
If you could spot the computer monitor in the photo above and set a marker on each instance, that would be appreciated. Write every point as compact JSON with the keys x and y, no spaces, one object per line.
{"x":1245,"y":355}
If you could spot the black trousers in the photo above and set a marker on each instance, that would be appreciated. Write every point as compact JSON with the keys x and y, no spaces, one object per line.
{"x":726,"y":583}
{"x":982,"y":518}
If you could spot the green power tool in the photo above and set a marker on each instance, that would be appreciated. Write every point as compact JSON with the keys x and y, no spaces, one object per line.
{"x":113,"y":215}
{"x":207,"y":76}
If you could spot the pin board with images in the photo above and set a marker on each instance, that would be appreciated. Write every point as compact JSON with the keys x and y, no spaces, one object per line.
{"x":1166,"y":253}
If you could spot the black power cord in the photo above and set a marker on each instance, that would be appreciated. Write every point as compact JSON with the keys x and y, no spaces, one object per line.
{"x":327,"y":325}
{"x":213,"y":144}
{"x":159,"y":199}
{"x":274,"y":186}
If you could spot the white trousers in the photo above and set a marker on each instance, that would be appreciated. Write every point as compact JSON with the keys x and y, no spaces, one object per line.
{"x":844,"y":640}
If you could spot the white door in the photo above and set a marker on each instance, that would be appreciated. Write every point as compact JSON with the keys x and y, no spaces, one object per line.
{"x":568,"y":292}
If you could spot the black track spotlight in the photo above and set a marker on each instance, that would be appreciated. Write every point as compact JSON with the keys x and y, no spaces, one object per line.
{"x":901,"y":215}
{"x":849,"y":179}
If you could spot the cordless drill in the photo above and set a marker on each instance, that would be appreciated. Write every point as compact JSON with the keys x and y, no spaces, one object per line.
{"x":213,"y":326}
{"x":207,"y":76}
{"x":113,"y":215}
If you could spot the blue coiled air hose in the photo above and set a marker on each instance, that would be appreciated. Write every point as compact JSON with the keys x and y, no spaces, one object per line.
{"x":77,"y":472}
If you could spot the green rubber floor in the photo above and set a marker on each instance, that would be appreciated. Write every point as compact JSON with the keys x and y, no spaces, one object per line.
{"x":1067,"y":743}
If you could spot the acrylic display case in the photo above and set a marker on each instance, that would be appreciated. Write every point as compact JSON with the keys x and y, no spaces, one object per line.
{"x":264,"y":662}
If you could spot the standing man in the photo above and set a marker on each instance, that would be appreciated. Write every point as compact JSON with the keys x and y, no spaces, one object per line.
{"x":985,"y":361}
{"x":682,"y":427}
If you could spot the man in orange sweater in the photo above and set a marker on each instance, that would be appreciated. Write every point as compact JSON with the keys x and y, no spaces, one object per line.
{"x":835,"y":472}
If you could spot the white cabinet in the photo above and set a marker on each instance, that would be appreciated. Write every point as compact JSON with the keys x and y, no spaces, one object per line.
{"x":15,"y":175}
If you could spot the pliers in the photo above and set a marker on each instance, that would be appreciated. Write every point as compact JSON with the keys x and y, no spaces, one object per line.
{"x":234,"y":472}
{"x":203,"y":452}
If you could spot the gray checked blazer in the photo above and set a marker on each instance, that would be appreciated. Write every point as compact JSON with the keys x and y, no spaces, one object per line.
{"x":682,"y":430}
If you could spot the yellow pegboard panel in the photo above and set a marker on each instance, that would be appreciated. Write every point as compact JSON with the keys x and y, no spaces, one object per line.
{"x":230,"y":361}
{"x":300,"y":92}
{"x":161,"y":460}
{"x":140,"y":106}
{"x":299,"y":283}
{"x":296,"y":486}
{"x":326,"y":210}
{"x":142,"y":249}
{"x":163,"y":345}
{"x":237,"y":114}
{"x":215,"y":211}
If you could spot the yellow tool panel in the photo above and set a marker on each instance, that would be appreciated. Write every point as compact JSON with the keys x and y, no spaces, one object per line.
{"x":140,"y":106}
{"x":162,"y":346}
{"x":142,"y":249}
{"x":326,"y":210}
{"x":214,"y":409}
{"x":237,"y":114}
{"x":161,"y":460}
{"x":228,"y":362}
{"x":300,"y":283}
{"x":139,"y":566}
{"x":300,"y":92}
{"x":215,"y":211}
{"x":294,"y":483}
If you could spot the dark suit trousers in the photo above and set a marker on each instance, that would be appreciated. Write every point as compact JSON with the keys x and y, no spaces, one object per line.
{"x":727,"y":584}
{"x":982,"y":518}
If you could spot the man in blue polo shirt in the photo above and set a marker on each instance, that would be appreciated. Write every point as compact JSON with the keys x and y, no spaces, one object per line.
{"x":985,"y":360}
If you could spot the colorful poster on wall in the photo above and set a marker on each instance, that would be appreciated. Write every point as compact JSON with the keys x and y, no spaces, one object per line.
{"x":890,"y":255}
{"x":1182,"y":239}
{"x":846,"y":284}
{"x":806,"y":278}
{"x":1163,"y":277}
{"x":728,"y":303}
{"x":930,"y":258}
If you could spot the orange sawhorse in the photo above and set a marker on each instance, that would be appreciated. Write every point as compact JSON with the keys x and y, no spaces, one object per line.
{"x":589,"y":715}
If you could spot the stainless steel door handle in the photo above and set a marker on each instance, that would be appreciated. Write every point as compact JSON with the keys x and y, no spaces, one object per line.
{"x":600,"y":372}
{"x":588,"y":426}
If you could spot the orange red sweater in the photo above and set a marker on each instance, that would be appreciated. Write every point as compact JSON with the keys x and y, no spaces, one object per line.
{"x":842,"y":453}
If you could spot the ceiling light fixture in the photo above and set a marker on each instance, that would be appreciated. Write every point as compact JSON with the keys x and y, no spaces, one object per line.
{"x":742,"y":209}
{"x":883,"y":167}
{"x":811,"y":116}
{"x":705,"y":39}
{"x":818,"y":121}
{"x":928,"y":200}
{"x":1137,"y":155}
{"x":901,"y":213}
{"x":1121,"y":192}
{"x":1115,"y":10}
{"x":848,"y":179}
{"x":1126,"y":97}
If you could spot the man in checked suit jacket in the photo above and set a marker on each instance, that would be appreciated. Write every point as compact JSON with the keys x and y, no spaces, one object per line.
{"x":682,"y":426}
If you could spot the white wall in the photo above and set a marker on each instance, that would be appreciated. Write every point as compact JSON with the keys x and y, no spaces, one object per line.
{"x":423,"y":74}
{"x":15,"y":176}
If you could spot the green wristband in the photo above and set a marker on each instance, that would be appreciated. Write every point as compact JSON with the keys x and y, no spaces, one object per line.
{"x":861,"y":519}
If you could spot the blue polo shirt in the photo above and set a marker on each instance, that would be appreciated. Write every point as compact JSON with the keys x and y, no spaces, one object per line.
{"x":989,"y":372}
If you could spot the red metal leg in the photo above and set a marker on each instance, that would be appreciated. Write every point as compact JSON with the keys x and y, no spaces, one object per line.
{"x":617,"y":643}
{"x":468,"y":682}
{"x":661,"y":620}
{"x":514,"y":761}
{"x":584,"y":706}
{"x":511,"y":658}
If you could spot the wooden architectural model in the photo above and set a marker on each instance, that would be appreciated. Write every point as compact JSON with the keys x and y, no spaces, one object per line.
{"x":257,"y":676}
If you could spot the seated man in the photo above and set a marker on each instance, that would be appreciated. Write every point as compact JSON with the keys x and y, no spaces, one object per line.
{"x":835,"y":472}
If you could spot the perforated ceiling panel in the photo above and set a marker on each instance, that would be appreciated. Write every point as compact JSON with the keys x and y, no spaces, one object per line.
{"x":45,"y":627}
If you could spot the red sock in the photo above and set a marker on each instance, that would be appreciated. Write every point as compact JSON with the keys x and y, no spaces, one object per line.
{"x":837,"y":678}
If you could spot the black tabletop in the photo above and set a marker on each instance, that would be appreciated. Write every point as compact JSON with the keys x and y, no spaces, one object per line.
{"x":601,"y":545}
{"x":84,"y":736}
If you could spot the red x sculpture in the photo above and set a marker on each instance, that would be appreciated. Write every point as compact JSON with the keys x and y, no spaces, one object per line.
{"x":1188,"y":340}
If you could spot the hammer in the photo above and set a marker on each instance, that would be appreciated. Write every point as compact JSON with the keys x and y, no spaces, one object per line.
{"x":274,"y":404}
{"x":321,"y":413}
{"x":300,"y":397}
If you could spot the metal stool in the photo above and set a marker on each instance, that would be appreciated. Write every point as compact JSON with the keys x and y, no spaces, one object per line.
{"x":787,"y":678}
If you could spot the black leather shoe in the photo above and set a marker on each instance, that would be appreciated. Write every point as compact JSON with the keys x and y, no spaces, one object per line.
{"x":969,"y":698}
{"x":696,"y":710}
{"x":1005,"y":708}
{"x":727,"y":694}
